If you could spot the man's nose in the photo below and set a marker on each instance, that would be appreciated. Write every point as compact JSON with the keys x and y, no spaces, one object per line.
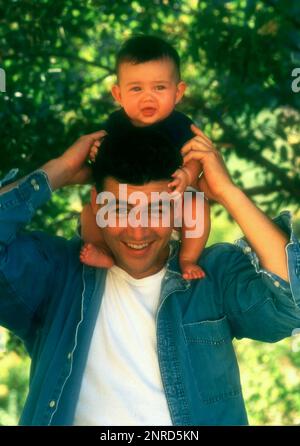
{"x":139,"y":233}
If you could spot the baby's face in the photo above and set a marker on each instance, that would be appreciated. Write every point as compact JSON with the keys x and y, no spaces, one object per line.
{"x":148,"y":91}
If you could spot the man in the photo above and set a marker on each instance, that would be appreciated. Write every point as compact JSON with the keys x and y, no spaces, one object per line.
{"x":138,"y":344}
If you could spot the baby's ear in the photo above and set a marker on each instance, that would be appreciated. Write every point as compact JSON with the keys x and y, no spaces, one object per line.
{"x":181,"y":87}
{"x":116,"y":93}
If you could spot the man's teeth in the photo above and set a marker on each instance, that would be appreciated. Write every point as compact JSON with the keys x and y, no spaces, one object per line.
{"x":131,"y":245}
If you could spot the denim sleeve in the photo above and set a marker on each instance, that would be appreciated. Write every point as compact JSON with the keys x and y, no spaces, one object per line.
{"x":260,"y":304}
{"x":26,"y":267}
{"x":18,"y":205}
{"x":284,"y":221}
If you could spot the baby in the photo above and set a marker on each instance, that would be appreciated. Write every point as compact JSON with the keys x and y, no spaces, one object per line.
{"x":148,"y":88}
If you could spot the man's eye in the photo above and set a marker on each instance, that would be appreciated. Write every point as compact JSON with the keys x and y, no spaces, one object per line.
{"x":159,"y":211}
{"x":121,"y":211}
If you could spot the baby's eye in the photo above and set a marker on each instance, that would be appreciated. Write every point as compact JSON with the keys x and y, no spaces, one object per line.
{"x":135,"y":89}
{"x":160,"y":87}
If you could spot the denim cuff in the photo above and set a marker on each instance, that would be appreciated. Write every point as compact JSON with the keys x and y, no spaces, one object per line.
{"x":9,"y":177}
{"x":18,"y":205}
{"x":276,"y":283}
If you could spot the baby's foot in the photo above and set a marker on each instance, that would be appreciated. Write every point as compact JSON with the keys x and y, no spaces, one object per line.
{"x":191,"y":271}
{"x":93,"y":256}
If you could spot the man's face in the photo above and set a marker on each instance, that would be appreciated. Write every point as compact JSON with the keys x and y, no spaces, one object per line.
{"x":148,"y":91}
{"x":125,"y":241}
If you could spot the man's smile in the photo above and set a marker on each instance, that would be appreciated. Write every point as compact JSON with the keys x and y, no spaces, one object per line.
{"x":138,"y":249}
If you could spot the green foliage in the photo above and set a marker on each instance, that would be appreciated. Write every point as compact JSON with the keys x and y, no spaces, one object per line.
{"x":271,"y":382}
{"x":237,"y":59}
{"x":14,"y":372}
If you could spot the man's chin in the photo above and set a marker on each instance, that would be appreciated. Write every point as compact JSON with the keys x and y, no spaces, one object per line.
{"x":137,"y":269}
{"x":142,"y":266}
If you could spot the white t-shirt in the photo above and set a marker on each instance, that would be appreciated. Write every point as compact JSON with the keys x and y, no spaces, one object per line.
{"x":122,"y":383}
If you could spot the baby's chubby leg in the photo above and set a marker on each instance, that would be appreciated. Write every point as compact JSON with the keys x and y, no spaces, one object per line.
{"x":94,"y":252}
{"x":191,"y":247}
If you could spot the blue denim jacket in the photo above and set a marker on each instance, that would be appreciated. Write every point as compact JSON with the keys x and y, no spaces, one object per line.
{"x":47,"y":298}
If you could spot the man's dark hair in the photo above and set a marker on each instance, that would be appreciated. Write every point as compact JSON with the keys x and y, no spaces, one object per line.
{"x":136,"y":156}
{"x":140,"y":49}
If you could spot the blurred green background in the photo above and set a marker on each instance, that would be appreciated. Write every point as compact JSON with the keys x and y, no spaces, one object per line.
{"x":237,"y":59}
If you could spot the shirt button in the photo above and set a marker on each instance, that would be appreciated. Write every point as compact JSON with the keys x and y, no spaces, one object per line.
{"x":33,"y":182}
{"x":52,"y":403}
{"x":36,"y":187}
{"x":277,"y":284}
{"x":69,"y":355}
{"x":247,"y":249}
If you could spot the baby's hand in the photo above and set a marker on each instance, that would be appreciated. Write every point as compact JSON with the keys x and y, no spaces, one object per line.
{"x":94,"y":150}
{"x":182,"y":179}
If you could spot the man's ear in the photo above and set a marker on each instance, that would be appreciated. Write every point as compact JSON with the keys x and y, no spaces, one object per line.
{"x":94,"y":205}
{"x":116,"y":93}
{"x":181,"y":87}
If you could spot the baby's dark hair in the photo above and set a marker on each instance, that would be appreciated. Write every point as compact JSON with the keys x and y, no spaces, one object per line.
{"x":141,"y":48}
{"x":137,"y":156}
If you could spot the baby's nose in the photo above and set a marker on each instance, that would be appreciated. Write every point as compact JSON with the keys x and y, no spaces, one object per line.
{"x":148,"y":94}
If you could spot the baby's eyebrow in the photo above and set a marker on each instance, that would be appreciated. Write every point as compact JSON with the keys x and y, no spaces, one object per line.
{"x":134,"y":82}
{"x":153,"y":82}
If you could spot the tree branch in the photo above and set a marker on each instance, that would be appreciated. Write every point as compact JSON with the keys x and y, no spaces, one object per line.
{"x":289,"y":18}
{"x":82,"y":60}
{"x":95,"y":81}
{"x":67,"y":217}
{"x":242,"y":146}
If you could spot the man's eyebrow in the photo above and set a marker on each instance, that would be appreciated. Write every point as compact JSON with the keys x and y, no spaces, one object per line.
{"x":151,"y":203}
{"x":161,"y":203}
{"x":115,"y":202}
{"x":156,"y":203}
{"x":125,"y":203}
{"x":122,"y":202}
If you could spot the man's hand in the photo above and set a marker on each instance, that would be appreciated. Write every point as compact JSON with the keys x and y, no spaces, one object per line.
{"x":70,"y":168}
{"x":215,"y":181}
{"x":266,"y":239}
